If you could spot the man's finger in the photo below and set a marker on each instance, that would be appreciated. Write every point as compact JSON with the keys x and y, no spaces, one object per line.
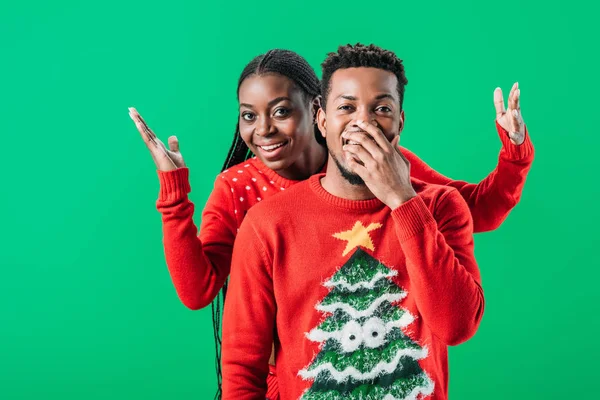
{"x":499,"y":102}
{"x":360,"y":153}
{"x":358,"y":169}
{"x":375,"y":132}
{"x":173,"y":144}
{"x":365,"y":140}
{"x":396,"y":144}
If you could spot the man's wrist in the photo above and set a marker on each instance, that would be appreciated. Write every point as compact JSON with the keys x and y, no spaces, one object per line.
{"x":400,"y":197}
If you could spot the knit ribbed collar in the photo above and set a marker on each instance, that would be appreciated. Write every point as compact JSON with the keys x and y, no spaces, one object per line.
{"x":373,"y":204}
{"x":275,"y":177}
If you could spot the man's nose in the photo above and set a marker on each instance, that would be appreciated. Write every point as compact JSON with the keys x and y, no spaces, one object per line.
{"x":365,"y":115}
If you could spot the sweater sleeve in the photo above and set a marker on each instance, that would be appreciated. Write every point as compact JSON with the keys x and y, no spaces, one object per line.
{"x":198,"y":265}
{"x":248,"y":319}
{"x":441,"y":265}
{"x":492,"y":199}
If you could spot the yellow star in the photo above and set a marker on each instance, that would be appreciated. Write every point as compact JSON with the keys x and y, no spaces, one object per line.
{"x":358,"y":236}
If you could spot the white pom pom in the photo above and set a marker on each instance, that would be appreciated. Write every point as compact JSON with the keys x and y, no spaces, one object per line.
{"x":374,"y":332}
{"x":351,"y":336}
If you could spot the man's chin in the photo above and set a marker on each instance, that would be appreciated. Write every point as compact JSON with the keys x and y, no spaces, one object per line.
{"x":351,"y":177}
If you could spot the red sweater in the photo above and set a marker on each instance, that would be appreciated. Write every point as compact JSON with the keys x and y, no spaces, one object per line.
{"x":362,"y":301}
{"x":199,"y":264}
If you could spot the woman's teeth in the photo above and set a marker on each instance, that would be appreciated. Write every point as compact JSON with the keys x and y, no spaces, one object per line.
{"x":272,"y":147}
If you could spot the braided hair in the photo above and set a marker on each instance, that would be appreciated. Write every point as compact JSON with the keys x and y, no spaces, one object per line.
{"x":359,"y":55}
{"x":294,"y":67}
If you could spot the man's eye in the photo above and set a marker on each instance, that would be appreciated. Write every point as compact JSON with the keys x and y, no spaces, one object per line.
{"x":247,"y":116}
{"x":345,"y":107}
{"x":384,"y":109}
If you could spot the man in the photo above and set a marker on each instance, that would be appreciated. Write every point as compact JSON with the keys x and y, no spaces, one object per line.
{"x":361,"y":276}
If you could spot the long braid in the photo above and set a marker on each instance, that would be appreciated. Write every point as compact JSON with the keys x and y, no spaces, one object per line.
{"x":292,"y":66}
{"x":238,"y":151}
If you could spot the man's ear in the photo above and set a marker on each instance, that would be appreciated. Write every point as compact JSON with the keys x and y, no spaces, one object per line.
{"x":401,"y":124}
{"x":322,"y":121}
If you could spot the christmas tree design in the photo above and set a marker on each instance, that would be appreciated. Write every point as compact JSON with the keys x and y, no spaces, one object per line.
{"x":364,"y":353}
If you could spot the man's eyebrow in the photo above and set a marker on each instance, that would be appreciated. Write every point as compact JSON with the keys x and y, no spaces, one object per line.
{"x":347,"y":97}
{"x":385,"y":96}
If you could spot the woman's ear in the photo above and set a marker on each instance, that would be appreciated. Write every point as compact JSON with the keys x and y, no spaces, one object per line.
{"x":316,"y":105}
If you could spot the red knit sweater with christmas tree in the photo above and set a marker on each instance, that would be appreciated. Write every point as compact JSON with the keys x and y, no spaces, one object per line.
{"x":361,"y":301}
{"x":199,"y":263}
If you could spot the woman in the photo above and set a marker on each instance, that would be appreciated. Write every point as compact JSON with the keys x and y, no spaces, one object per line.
{"x":278,"y":95}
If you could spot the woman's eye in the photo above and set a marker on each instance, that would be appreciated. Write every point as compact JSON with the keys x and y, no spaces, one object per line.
{"x":248,"y":116}
{"x":282,"y":112}
{"x":345,"y":107}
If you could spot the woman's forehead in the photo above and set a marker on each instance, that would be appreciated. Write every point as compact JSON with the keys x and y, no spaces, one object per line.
{"x":268,"y":85}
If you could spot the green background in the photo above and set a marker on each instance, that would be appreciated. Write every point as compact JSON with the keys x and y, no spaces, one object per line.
{"x":88,"y":310}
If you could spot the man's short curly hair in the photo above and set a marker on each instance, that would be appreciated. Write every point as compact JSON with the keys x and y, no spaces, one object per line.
{"x":359,"y":55}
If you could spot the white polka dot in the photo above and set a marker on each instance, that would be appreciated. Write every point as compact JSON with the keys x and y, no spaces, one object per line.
{"x":234,"y":179}
{"x":235,"y":211}
{"x":225,"y":171}
{"x":241,"y":199}
{"x":264,"y":188}
{"x":240,"y":171}
{"x":260,"y":172}
{"x":238,"y":229}
{"x":282,"y":188}
{"x":253,"y":179}
{"x":272,"y":183}
{"x":231,"y":190}
{"x":247,"y":187}
{"x":258,"y":198}
{"x":254,"y":158}
{"x":246,"y":166}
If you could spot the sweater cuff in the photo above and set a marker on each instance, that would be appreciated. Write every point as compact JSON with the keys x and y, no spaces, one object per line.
{"x":513,"y":151}
{"x":174,"y":184}
{"x":411,"y":218}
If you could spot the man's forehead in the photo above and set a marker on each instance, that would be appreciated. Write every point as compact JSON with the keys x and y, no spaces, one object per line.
{"x":363,"y":79}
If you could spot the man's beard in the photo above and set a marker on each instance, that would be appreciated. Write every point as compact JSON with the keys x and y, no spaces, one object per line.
{"x":351,"y":177}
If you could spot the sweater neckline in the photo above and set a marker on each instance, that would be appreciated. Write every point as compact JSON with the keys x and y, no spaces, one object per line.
{"x":275,"y":177}
{"x":373,"y":204}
